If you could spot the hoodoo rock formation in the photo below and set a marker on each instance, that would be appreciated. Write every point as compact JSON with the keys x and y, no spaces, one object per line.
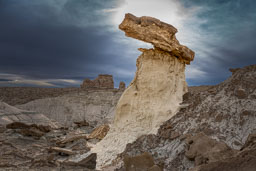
{"x":156,"y":91}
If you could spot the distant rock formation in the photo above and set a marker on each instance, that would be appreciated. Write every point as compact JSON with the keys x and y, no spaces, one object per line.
{"x":122,"y":86}
{"x":156,"y":91}
{"x":103,"y":81}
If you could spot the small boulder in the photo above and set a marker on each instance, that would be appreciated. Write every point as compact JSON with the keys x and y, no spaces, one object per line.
{"x":99,"y":132}
{"x":33,"y":130}
{"x":142,"y":162}
{"x":81,"y":123}
{"x":87,"y":160}
{"x":62,"y":150}
{"x":203,"y":149}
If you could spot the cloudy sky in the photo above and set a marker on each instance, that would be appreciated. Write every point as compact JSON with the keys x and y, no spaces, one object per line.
{"x":58,"y":43}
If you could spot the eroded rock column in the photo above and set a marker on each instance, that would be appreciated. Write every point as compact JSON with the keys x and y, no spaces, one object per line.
{"x":154,"y":94}
{"x":156,"y":91}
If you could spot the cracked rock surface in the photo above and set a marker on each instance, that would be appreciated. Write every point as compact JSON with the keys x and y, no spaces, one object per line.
{"x":212,"y":129}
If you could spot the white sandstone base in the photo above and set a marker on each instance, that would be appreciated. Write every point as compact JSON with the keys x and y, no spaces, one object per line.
{"x":152,"y":98}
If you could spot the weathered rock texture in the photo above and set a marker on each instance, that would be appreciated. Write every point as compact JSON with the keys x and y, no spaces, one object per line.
{"x":156,"y":91}
{"x":242,"y":160}
{"x":36,"y":147}
{"x":99,"y":132}
{"x":203,"y":149}
{"x":95,"y":106}
{"x":160,"y":34}
{"x":68,"y":105}
{"x":122,"y":86}
{"x":221,"y":114}
{"x":143,"y":162}
{"x":10,"y":114}
{"x":101,"y":82}
{"x":21,"y":95}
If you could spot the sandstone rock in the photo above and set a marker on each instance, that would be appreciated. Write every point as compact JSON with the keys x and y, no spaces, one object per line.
{"x":72,"y":138}
{"x":81,"y":123}
{"x":205,"y":150}
{"x":79,"y":146}
{"x":160,"y":34}
{"x":87,"y":160}
{"x":20,"y":125}
{"x":62,"y":150}
{"x":122,"y":86}
{"x":244,"y":160}
{"x":29,"y":130}
{"x":17,"y":125}
{"x":143,"y":162}
{"x":156,"y":91}
{"x":100,"y":132}
{"x":37,"y":150}
{"x":94,"y":106}
{"x":101,"y":82}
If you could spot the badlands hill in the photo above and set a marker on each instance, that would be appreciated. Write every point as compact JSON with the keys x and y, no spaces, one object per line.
{"x":21,"y":95}
{"x":214,"y":130}
{"x":56,"y":127}
{"x":94,"y":101}
{"x":157,"y":123}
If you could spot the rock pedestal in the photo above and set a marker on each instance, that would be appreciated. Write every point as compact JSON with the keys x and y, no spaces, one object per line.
{"x":156,"y":91}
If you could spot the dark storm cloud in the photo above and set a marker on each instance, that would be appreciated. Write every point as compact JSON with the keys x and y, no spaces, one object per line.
{"x":60,"y":42}
{"x":233,"y":25}
{"x":238,"y":51}
{"x":39,"y":41}
{"x":2,"y":79}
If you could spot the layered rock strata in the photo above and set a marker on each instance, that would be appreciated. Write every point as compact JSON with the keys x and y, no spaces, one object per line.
{"x":95,"y":106}
{"x":103,"y":81}
{"x":160,"y":34}
{"x":10,"y":114}
{"x":156,"y":91}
